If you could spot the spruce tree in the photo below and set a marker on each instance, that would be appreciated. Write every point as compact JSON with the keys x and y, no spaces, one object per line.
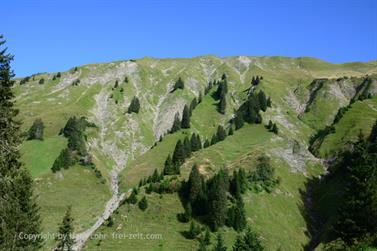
{"x":36,"y":130}
{"x":195,"y":184}
{"x":230,"y":132}
{"x":176,"y":124}
{"x":187,"y":147}
{"x":185,"y":117}
{"x":143,"y":203}
{"x":221,"y":134}
{"x":169,"y":166}
{"x":239,"y":244}
{"x":239,"y":222}
{"x":262,"y":101}
{"x":194,"y":143}
{"x":219,"y":246}
{"x":207,"y":237}
{"x":179,"y":84}
{"x":218,"y":199}
{"x":252,"y":241}
{"x":193,"y":105}
{"x":134,"y":106}
{"x":206,"y":143}
{"x":198,"y":142}
{"x":133,"y":197}
{"x":268,"y":102}
{"x":238,"y":120}
{"x":18,"y":208}
{"x":179,"y":153}
{"x":65,"y":238}
{"x":274,"y":129}
{"x":222,"y":105}
{"x":269,"y":125}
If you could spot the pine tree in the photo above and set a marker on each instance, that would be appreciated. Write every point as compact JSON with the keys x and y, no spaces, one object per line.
{"x":187,"y":147}
{"x":206,"y":143}
{"x":274,"y":129}
{"x":207,"y":237}
{"x":202,"y":246}
{"x":219,"y":244}
{"x":193,"y":105}
{"x":176,"y":124}
{"x":268,"y":102}
{"x":179,"y":153}
{"x":143,"y":203}
{"x":195,"y":184}
{"x":218,"y":199}
{"x":230,"y":132}
{"x":269,"y":125}
{"x":169,"y":166}
{"x":134,"y":106}
{"x":239,"y":222}
{"x":222,"y":105}
{"x":185,"y":117}
{"x":116,"y":84}
{"x":194,"y":230}
{"x":36,"y":130}
{"x":214,"y":139}
{"x":239,"y":244}
{"x":155,"y":176}
{"x":194,"y":143}
{"x":179,"y":84}
{"x":18,"y":210}
{"x":358,"y":212}
{"x":198,"y":142}
{"x":238,"y":120}
{"x":235,"y":185}
{"x":133,"y":197}
{"x":65,"y":238}
{"x":221,"y":134}
{"x":252,"y":241}
{"x":262,"y":101}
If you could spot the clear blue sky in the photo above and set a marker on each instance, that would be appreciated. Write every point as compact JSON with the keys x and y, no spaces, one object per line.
{"x":53,"y":35}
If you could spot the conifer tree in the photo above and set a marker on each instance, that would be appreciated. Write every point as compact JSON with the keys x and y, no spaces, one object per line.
{"x":207,"y":237}
{"x":186,"y":117}
{"x":176,"y":124}
{"x":221,"y":134}
{"x":214,"y":139}
{"x":36,"y":130}
{"x":239,"y":244}
{"x":187,"y":147}
{"x":239,"y":222}
{"x":206,"y":143}
{"x":268,"y":102}
{"x":65,"y":238}
{"x":169,"y":166}
{"x":252,"y":241}
{"x":269,"y":125}
{"x":222,"y":105}
{"x":198,"y":142}
{"x":219,"y":246}
{"x":179,"y":84}
{"x":274,"y":129}
{"x":218,"y":199}
{"x":133,"y":197}
{"x":194,"y":143}
{"x":238,"y":120}
{"x":18,"y":208}
{"x":262,"y":101}
{"x":194,"y":230}
{"x":134,"y":106}
{"x":193,"y":105}
{"x":143,"y":203}
{"x":179,"y":154}
{"x":230,"y":132}
{"x":195,"y":184}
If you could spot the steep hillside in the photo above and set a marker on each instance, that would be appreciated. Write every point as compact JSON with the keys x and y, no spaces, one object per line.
{"x":306,"y":94}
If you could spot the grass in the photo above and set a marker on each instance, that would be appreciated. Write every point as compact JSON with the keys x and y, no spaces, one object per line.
{"x":360,"y":117}
{"x":77,"y":187}
{"x":40,"y":155}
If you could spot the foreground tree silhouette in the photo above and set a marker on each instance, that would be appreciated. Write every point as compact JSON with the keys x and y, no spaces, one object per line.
{"x":65,"y":238}
{"x":18,"y":209}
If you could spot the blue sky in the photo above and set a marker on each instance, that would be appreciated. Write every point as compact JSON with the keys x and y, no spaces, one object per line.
{"x":52,"y":35}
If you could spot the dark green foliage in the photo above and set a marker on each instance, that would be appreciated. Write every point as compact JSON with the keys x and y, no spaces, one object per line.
{"x":143,"y":203}
{"x":116,"y":84}
{"x":262,"y":101}
{"x":24,"y":80}
{"x":202,"y":246}
{"x":169,"y":166}
{"x":217,"y":199}
{"x":194,"y":230}
{"x":269,"y":125}
{"x":132,"y":199}
{"x":41,"y":81}
{"x":239,"y":220}
{"x":65,"y":238}
{"x":36,"y":130}
{"x":274,"y":129}
{"x":248,"y":241}
{"x":222,"y":89}
{"x":18,"y":209}
{"x":179,"y":154}
{"x":221,"y":134}
{"x":207,"y":237}
{"x":193,"y":105}
{"x":206,"y":143}
{"x":219,"y":246}
{"x":179,"y":84}
{"x":187,"y":147}
{"x":230,"y":132}
{"x":358,"y":212}
{"x":200,"y":98}
{"x":58,"y":75}
{"x":125,"y":79}
{"x":196,"y":143}
{"x":185,"y":117}
{"x":110,"y":222}
{"x":214,"y":139}
{"x":65,"y":159}
{"x":255,"y":80}
{"x":134,"y":106}
{"x":195,"y":185}
{"x":176,"y":124}
{"x":222,"y":105}
{"x":238,"y":120}
{"x":264,"y":175}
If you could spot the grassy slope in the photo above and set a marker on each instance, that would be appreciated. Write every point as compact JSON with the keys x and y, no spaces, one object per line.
{"x":282,"y":76}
